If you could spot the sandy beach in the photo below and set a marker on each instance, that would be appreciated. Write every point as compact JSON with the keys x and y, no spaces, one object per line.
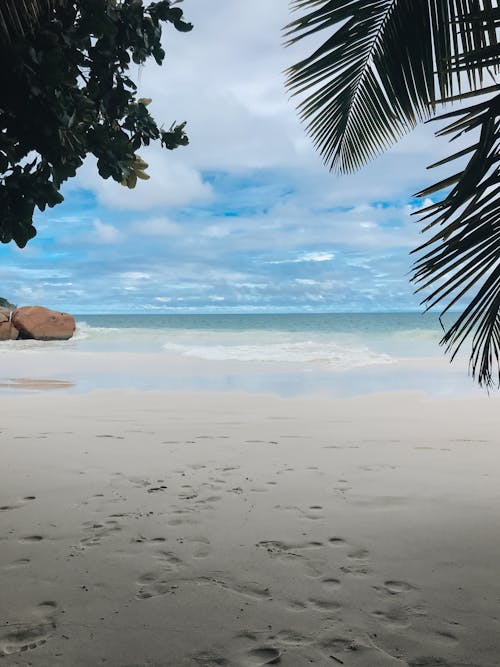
{"x":170,"y":528}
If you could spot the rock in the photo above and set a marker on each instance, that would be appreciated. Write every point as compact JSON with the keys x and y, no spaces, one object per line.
{"x":7,"y":330}
{"x":42,"y":323}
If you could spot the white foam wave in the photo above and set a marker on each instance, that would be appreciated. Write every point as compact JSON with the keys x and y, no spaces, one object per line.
{"x":301,"y":352}
{"x":84,"y":331}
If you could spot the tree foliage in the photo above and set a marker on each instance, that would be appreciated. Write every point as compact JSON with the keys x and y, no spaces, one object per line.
{"x":67,"y":93}
{"x":6,"y":304}
{"x":17,"y":17}
{"x":384,"y":66}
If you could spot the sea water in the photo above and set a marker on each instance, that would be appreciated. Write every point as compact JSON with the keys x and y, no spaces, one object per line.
{"x":288,"y":354}
{"x":339,"y":340}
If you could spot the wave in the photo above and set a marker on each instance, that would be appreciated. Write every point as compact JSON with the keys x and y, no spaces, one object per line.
{"x":302,"y":352}
{"x":84,"y":331}
{"x":336,"y":349}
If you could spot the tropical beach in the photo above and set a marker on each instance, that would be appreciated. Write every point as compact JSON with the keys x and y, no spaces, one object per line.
{"x":249,"y":348}
{"x":209,"y":525}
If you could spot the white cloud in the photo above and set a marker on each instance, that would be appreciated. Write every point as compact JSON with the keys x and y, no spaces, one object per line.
{"x":172,"y":183}
{"x":306,"y":257}
{"x":160,"y":226}
{"x":317,"y":257}
{"x":104,"y":233}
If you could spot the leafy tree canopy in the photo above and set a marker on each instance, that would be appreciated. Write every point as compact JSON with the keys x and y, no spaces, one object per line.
{"x":384,"y":65}
{"x":66,"y":93}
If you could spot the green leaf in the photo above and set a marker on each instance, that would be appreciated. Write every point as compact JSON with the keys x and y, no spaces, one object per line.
{"x":460,"y":262}
{"x":382,"y":67}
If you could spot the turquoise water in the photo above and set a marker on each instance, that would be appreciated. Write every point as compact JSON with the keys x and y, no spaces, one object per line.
{"x":289,"y":355}
{"x":341,"y":340}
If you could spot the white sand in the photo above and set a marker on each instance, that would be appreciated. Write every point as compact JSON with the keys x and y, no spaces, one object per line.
{"x":223,"y":529}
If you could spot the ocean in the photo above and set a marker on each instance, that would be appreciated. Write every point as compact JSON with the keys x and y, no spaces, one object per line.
{"x":287,"y":354}
{"x":341,"y":341}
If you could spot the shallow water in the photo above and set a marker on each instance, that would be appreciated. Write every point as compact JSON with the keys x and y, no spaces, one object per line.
{"x":288,"y":355}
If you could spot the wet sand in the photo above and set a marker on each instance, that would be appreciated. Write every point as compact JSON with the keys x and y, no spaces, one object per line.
{"x":171,"y":529}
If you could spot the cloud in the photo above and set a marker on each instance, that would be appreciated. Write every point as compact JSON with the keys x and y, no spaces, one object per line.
{"x":104,"y":233}
{"x":306,"y":257}
{"x":244,"y":218}
{"x":160,"y":226}
{"x":172,"y":183}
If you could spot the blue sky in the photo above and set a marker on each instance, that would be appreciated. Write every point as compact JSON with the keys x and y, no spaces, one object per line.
{"x":246,"y":218}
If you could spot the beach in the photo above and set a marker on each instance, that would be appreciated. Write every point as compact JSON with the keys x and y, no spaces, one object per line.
{"x":226,"y":528}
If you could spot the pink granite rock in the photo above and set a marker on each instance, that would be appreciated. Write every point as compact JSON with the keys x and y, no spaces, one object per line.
{"x":42,"y":323}
{"x":7,"y":330}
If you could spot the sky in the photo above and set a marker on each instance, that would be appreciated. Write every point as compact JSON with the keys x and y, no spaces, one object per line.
{"x":246,"y":218}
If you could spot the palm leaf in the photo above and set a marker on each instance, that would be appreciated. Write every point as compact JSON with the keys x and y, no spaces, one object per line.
{"x":19,"y":16}
{"x":461,"y":260}
{"x":383,"y":67}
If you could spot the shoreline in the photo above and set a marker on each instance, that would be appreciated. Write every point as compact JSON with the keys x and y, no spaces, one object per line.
{"x":181,"y":528}
{"x":77,"y":371}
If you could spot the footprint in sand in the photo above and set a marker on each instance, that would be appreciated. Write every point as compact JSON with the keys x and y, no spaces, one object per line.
{"x":324,"y":605}
{"x":12,"y":506}
{"x":398,"y":587}
{"x":32,"y":539}
{"x":261,"y":656}
{"x":138,"y":481}
{"x":331,"y":584}
{"x":148,"y":540}
{"x":446,"y":637}
{"x":20,"y":637}
{"x":363,"y":654}
{"x":338,"y":644}
{"x":169,"y":560}
{"x":17,"y":504}
{"x":292,"y":637}
{"x":99,"y":532}
{"x":20,"y":562}
{"x":183,"y":516}
{"x":356,"y":570}
{"x":359,"y":554}
{"x":296,"y":605}
{"x":277,"y":549}
{"x":188,"y":494}
{"x":395,"y":615}
{"x":337,"y":542}
{"x":157,"y":489}
{"x":159,"y":581}
{"x":247,"y":589}
{"x":206,"y":502}
{"x":153,"y":584}
{"x":201,"y":546}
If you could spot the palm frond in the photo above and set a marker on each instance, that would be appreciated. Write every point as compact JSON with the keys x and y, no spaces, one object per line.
{"x":19,"y":16}
{"x":461,"y":260}
{"x":383,"y":66}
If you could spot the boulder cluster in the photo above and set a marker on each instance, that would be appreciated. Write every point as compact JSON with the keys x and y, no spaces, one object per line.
{"x":35,"y":322}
